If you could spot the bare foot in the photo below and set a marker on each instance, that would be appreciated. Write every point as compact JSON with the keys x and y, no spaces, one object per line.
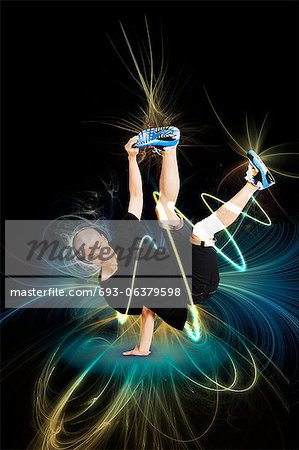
{"x":136,"y":352}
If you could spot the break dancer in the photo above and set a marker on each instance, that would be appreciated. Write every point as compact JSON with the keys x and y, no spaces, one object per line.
{"x":205,"y":275}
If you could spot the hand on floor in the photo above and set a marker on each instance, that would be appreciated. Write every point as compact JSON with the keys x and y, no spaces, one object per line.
{"x":136,"y":352}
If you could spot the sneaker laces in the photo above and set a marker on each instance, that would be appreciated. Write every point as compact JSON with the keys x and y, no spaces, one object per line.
{"x":250,"y":174}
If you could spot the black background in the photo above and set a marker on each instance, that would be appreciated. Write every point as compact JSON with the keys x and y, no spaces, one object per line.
{"x":60,"y":71}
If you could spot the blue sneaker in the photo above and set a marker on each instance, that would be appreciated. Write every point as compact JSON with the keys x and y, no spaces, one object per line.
{"x":161,"y":138}
{"x":258,"y":173}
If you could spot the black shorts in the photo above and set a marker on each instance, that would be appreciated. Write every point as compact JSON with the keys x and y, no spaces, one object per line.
{"x":205,"y":274}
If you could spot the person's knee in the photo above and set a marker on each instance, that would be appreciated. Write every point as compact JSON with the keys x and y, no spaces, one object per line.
{"x":208,"y":227}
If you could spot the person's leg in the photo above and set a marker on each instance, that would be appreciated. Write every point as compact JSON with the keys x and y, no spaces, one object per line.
{"x":169,"y":187}
{"x":147,"y":330}
{"x":225,"y":215}
{"x":230,"y":211}
{"x":205,"y":275}
{"x":258,"y":177}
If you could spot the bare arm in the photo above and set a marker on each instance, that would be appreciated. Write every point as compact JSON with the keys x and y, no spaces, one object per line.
{"x":135,"y":181}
